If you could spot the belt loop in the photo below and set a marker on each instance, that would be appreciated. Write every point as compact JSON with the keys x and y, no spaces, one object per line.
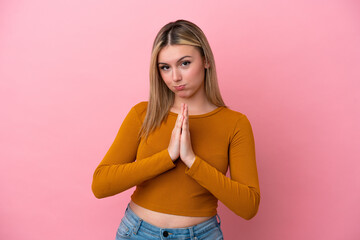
{"x":191,"y":230}
{"x":217,"y":215}
{"x":136,"y":228}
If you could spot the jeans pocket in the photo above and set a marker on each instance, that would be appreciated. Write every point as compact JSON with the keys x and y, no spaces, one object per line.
{"x":214,"y":233}
{"x":222,"y":236}
{"x":123,"y":230}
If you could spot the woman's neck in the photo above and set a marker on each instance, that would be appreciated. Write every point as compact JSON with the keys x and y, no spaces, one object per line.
{"x":195,"y":108}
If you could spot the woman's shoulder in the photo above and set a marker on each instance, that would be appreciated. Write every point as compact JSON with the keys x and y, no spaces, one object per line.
{"x":238,"y":122}
{"x":236,"y":119}
{"x":233,"y":114}
{"x":141,"y":107}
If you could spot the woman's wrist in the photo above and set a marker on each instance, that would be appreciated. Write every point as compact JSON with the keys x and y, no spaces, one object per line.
{"x":172,"y":158}
{"x":190,"y":161}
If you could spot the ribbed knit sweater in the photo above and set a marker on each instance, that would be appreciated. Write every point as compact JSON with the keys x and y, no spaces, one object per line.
{"x":221,"y":139}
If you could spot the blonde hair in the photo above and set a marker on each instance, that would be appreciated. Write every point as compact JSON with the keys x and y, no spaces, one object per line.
{"x":161,"y":97}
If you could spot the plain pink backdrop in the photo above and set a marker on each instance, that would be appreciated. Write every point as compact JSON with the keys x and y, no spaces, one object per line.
{"x":71,"y":70}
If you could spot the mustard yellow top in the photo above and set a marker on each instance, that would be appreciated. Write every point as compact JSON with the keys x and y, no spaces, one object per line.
{"x":220,"y":139}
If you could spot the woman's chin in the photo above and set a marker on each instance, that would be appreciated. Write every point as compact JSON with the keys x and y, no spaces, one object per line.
{"x":182,"y":95}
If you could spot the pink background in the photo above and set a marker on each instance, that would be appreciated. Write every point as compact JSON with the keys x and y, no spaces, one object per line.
{"x":71,"y":70}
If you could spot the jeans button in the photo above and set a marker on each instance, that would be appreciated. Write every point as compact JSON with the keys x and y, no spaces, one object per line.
{"x":165,"y":233}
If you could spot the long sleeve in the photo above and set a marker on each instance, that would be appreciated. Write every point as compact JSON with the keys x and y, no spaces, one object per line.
{"x":119,"y":170}
{"x":241,"y":193}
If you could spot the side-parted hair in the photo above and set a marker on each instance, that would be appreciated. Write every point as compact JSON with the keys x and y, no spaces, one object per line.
{"x":161,"y":98}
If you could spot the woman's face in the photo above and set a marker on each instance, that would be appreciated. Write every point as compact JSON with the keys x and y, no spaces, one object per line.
{"x":182,"y":68}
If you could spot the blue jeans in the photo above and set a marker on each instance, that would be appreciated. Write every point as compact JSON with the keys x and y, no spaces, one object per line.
{"x":133,"y":227}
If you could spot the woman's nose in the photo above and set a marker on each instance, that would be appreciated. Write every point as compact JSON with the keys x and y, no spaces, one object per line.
{"x":176,"y":75}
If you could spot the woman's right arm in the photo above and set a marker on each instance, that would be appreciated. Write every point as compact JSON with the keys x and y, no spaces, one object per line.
{"x":118,"y":171}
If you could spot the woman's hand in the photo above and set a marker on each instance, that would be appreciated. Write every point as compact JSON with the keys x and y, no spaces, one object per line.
{"x":186,"y":152}
{"x":180,"y":142}
{"x":174,"y":145}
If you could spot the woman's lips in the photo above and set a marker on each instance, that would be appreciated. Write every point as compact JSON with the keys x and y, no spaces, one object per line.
{"x":180,"y":87}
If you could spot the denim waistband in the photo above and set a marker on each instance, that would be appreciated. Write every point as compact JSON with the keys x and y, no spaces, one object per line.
{"x":136,"y":221}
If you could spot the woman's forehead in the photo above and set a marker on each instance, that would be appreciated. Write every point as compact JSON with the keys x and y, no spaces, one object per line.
{"x":172,"y":53}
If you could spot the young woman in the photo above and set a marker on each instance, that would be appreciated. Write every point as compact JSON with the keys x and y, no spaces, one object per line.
{"x":176,"y":148}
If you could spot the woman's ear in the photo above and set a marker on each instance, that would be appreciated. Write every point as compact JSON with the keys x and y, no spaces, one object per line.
{"x":206,"y":63}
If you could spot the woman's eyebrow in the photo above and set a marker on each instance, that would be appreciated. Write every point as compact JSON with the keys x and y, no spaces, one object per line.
{"x":177,"y":60}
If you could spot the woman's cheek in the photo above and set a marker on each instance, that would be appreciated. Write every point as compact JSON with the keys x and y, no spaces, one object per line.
{"x":165,"y":79}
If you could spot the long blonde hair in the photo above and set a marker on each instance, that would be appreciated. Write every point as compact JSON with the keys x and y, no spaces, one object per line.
{"x":161,"y":97}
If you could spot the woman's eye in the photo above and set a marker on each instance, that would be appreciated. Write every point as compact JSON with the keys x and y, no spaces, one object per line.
{"x":186,"y":63}
{"x":164,"y":67}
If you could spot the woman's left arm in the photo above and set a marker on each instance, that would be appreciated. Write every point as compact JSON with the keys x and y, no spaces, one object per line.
{"x":241,"y":193}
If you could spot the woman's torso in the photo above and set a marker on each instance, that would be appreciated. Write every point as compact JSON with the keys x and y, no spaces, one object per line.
{"x":164,"y":220}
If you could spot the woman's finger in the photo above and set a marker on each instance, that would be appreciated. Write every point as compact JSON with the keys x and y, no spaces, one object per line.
{"x":185,"y":124}
{"x":174,"y":144}
{"x":185,"y":118}
{"x":180,"y":118}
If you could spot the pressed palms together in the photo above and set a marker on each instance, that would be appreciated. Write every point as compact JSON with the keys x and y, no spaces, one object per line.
{"x":180,"y":141}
